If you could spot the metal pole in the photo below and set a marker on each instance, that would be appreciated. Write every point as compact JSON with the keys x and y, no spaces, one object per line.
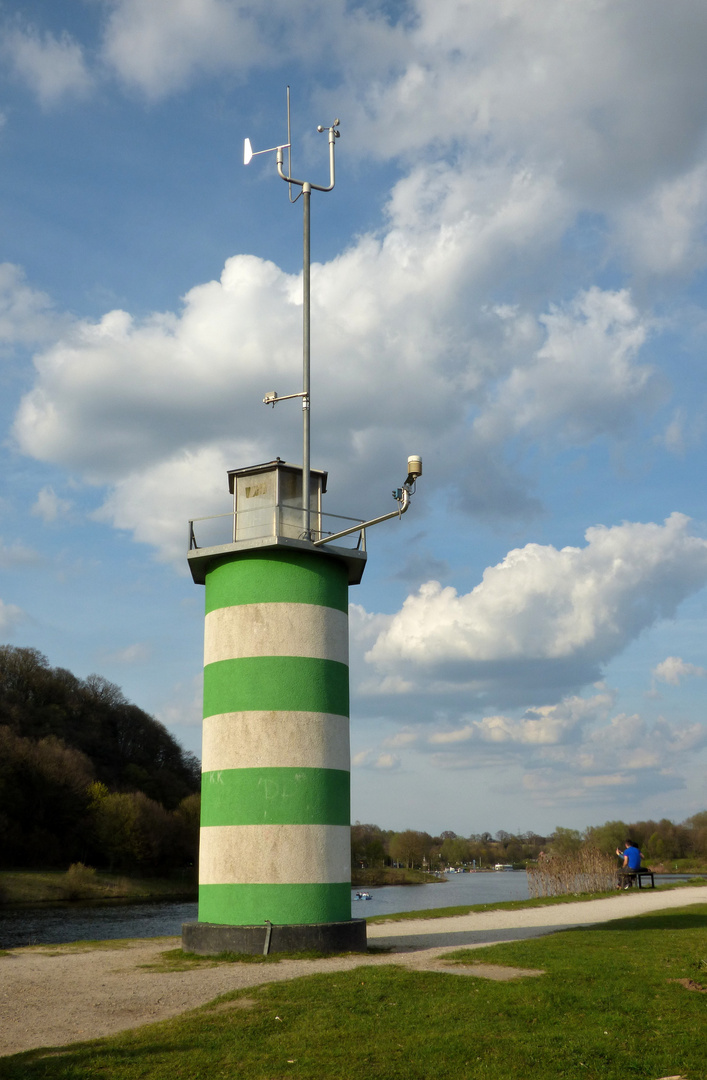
{"x":306,"y":194}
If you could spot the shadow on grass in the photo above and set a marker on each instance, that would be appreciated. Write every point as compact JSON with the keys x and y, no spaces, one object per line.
{"x":81,"y":1058}
{"x":676,"y":919}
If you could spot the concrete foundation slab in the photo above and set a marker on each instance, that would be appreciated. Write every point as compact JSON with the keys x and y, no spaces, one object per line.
{"x":210,"y":939}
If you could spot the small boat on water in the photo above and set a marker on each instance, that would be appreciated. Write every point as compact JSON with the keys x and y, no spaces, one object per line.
{"x":363,"y":896}
{"x":503,"y":866}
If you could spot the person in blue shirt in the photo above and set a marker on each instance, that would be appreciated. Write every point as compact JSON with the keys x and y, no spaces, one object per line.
{"x":631,"y":858}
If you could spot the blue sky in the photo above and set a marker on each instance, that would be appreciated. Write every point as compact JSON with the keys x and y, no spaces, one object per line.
{"x":508,"y":279}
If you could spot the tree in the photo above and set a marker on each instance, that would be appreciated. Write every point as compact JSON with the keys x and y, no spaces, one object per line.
{"x":608,"y":837}
{"x":455,"y":852}
{"x":565,"y":841}
{"x":43,"y":801}
{"x":368,"y":845}
{"x":135,"y":832}
{"x":410,"y":848}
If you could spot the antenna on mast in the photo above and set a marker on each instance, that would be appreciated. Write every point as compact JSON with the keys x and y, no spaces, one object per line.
{"x":307,"y":188}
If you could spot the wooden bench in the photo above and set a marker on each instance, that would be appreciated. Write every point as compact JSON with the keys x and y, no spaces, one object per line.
{"x":628,"y":877}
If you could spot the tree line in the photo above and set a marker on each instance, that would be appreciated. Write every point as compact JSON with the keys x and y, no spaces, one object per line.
{"x":86,"y":776}
{"x":663,"y":843}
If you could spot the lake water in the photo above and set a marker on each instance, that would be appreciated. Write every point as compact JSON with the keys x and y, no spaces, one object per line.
{"x":54,"y":924}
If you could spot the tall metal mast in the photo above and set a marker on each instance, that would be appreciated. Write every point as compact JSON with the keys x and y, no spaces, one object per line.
{"x":307,"y":188}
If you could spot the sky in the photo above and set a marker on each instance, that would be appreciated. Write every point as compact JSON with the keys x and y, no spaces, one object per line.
{"x":509,"y":279}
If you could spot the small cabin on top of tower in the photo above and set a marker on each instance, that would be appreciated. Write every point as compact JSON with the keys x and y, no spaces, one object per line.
{"x":268,"y":512}
{"x":267,"y":501}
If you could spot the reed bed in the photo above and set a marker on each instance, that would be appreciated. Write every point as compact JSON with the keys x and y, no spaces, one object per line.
{"x":585,"y":871}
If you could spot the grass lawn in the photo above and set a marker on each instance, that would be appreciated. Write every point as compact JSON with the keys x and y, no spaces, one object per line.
{"x":51,"y":886}
{"x":610,"y":1006}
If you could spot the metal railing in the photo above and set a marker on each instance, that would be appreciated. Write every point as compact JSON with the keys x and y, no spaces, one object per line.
{"x":275,"y":521}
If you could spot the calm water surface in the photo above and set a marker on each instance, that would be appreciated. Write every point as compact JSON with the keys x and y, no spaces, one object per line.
{"x":51,"y":925}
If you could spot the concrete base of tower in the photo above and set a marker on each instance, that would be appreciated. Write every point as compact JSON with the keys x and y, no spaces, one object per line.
{"x":210,"y":939}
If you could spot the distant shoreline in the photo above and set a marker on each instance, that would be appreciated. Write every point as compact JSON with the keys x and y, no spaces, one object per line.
{"x":25,"y":888}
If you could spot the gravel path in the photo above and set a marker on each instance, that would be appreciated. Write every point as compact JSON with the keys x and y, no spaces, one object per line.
{"x":54,"y":995}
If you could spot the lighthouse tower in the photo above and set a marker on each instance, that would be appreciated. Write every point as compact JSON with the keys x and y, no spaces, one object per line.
{"x":274,"y":864}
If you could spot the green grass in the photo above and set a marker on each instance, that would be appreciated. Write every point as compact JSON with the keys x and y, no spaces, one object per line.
{"x":516,"y":905}
{"x":51,"y":886}
{"x":178,"y":960}
{"x":609,"y":1007}
{"x":392,"y":875}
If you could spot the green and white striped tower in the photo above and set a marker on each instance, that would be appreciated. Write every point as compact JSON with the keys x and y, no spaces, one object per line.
{"x":274,"y":865}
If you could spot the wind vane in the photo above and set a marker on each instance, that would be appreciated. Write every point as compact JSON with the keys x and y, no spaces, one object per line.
{"x":307,"y":187}
{"x":402,"y":494}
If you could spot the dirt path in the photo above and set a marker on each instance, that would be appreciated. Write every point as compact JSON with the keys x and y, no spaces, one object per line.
{"x":54,"y":995}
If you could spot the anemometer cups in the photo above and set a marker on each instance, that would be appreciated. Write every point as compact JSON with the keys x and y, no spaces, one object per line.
{"x":414,"y":469}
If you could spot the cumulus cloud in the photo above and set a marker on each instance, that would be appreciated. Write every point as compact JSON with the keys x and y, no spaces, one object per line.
{"x":156,"y":504}
{"x":664,"y":232}
{"x":49,"y":506}
{"x":10,"y":617}
{"x":121,"y":401}
{"x":158,"y":47}
{"x":583,"y":381}
{"x":27,"y":316}
{"x":569,"y":752}
{"x":626,"y":754}
{"x":673,"y":670}
{"x":544,"y":613}
{"x":18,"y":555}
{"x":368,"y":759}
{"x":546,"y":725}
{"x":581,"y":87}
{"x":53,"y":67}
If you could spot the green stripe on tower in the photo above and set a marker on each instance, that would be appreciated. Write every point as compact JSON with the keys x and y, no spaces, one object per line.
{"x":284,"y":904}
{"x":298,"y":683}
{"x":278,"y":577}
{"x":276,"y":796}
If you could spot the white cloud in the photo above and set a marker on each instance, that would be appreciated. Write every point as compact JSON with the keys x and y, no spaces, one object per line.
{"x":368,"y":759}
{"x":10,"y":616}
{"x":546,"y":725}
{"x":26,"y":315}
{"x":159,"y":47}
{"x":567,"y":753}
{"x":122,"y":401}
{"x":583,"y":381}
{"x":589,"y":89}
{"x":664,"y":233}
{"x":53,"y":67}
{"x":49,"y":506}
{"x":138,"y":653}
{"x":16,"y":555}
{"x":673,"y":670}
{"x":156,"y":504}
{"x":401,"y":739}
{"x":541,"y":608}
{"x":673,"y":438}
{"x":114,"y":395}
